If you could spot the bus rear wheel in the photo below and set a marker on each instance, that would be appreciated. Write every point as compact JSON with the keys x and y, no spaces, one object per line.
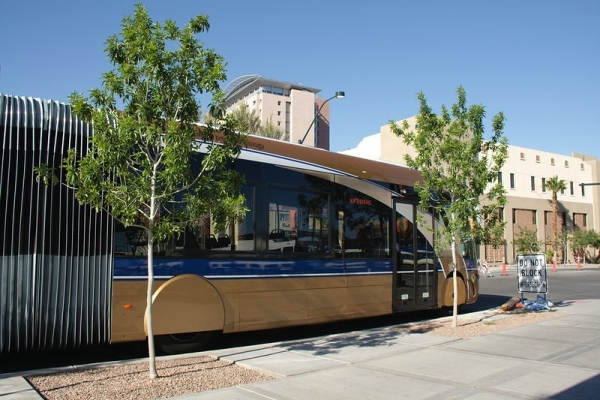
{"x":177,"y":343}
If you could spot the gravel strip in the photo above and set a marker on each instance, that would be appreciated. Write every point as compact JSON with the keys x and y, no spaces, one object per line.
{"x":177,"y":376}
{"x":180,"y":376}
{"x":469,"y":327}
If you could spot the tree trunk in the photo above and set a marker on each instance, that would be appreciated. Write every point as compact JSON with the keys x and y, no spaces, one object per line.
{"x":510,"y":304}
{"x":151,"y":350}
{"x":555,"y":226}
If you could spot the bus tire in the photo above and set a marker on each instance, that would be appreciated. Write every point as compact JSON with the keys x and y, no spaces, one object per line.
{"x":178,"y":343}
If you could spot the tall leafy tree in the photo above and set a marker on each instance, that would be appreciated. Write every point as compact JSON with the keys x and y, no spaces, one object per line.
{"x":142,"y":162}
{"x":555,"y":185}
{"x":459,"y":169}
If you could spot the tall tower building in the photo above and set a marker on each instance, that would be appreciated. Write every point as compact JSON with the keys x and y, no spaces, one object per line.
{"x":291,"y":107}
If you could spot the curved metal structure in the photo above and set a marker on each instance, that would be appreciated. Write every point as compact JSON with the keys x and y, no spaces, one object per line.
{"x":55,"y":255}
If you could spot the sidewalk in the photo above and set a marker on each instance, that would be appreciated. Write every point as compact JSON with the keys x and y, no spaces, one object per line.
{"x":558,"y":358}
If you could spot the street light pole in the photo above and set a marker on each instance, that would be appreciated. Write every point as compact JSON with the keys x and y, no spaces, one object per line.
{"x":338,"y":95}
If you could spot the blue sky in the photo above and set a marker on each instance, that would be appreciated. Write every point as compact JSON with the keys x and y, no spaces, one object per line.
{"x":538,"y":61}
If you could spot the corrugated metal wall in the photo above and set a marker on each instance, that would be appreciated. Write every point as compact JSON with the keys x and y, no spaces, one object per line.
{"x":55,"y":255}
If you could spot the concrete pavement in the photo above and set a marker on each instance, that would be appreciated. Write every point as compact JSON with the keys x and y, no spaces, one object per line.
{"x":558,"y":358}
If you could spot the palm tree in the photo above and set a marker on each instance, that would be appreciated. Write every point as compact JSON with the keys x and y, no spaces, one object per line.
{"x":247,"y":121}
{"x":270,"y":130}
{"x":555,"y":185}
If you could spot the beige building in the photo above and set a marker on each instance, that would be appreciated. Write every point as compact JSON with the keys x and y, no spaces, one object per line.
{"x":524,"y":176}
{"x":291,"y":107}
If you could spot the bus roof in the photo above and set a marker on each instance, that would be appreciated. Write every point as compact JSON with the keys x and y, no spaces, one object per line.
{"x":359,"y":167}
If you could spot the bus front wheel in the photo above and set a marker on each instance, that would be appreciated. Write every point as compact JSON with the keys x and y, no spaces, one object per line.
{"x":177,"y":343}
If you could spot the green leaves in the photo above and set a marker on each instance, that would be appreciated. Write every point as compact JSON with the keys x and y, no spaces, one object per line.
{"x":142,"y":165}
{"x":449,"y":155}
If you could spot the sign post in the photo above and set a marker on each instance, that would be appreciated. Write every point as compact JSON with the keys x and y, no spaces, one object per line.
{"x":531,"y":274}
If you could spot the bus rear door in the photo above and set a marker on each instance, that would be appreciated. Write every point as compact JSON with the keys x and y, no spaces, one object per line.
{"x":415,"y":271}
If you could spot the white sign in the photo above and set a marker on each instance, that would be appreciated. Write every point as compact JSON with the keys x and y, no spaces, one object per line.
{"x":531,"y":273}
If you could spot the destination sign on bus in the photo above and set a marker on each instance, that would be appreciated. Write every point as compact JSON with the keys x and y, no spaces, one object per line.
{"x":531,"y":273}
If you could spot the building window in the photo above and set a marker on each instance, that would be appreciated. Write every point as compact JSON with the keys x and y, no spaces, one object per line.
{"x":278,"y":113}
{"x":562,"y":191}
{"x":552,"y":161}
{"x":278,"y":102}
{"x":522,"y":156}
{"x":512,"y":181}
{"x":544,"y":185}
{"x":579,"y":221}
{"x":537,"y":159}
{"x":533,"y":183}
{"x":524,"y":216}
{"x":572,"y":188}
{"x":581,"y":167}
{"x":500,"y":177}
{"x":582,"y":191}
{"x":566,"y":163}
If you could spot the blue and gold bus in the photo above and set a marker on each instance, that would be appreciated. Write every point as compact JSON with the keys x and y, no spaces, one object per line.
{"x":327,"y":237}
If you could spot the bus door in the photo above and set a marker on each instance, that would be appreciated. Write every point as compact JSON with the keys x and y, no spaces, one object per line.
{"x":414,"y":267}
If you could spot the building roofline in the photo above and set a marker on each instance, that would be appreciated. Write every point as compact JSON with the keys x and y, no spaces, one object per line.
{"x":242,"y":82}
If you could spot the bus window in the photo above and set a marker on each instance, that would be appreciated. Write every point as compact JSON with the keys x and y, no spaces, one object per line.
{"x":130,"y":241}
{"x":203,"y":236}
{"x":365,"y":226}
{"x":298,"y":221}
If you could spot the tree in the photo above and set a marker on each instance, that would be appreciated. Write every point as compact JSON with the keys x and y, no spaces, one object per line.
{"x":246,"y":120}
{"x":555,"y":185}
{"x":249,"y":122}
{"x":268,"y":129}
{"x":458,"y":173}
{"x":581,"y":240}
{"x":143,"y":164}
{"x":526,"y":241}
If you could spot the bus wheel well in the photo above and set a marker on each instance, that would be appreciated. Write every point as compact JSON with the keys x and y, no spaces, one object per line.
{"x":187,"y":304}
{"x":448,"y":291}
{"x":177,"y":343}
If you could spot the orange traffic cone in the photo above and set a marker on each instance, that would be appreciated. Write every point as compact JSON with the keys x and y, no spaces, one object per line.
{"x":504,"y":267}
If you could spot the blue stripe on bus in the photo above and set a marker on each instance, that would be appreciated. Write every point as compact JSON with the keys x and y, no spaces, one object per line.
{"x":130,"y":268}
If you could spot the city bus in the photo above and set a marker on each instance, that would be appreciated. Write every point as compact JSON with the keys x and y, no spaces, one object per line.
{"x":327,"y":237}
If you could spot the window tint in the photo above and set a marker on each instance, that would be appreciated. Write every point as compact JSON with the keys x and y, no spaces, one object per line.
{"x":364,"y":230}
{"x":298,"y":221}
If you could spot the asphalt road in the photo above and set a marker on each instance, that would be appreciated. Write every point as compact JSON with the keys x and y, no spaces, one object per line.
{"x":563,"y":285}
